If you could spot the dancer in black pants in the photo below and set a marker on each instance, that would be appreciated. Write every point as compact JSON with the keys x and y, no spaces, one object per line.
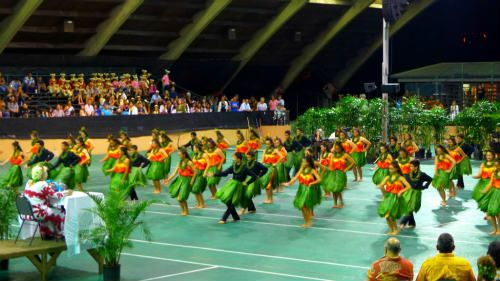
{"x":231,"y":193}
{"x":468,"y":150}
{"x":253,"y":189}
{"x":413,"y":197}
{"x":136,"y":177}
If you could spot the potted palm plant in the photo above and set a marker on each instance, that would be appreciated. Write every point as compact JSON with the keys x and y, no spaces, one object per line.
{"x":8,"y":213}
{"x":120,"y":218}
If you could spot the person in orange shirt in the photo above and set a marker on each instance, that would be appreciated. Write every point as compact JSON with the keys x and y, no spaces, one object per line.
{"x":393,"y":205}
{"x":222,"y":142}
{"x":270,"y":159}
{"x":444,"y":164}
{"x":392,"y":266}
{"x":111,"y":156}
{"x":167,"y":145}
{"x":241,"y":145}
{"x":14,"y":177}
{"x":383,"y":161}
{"x":280,"y":166}
{"x":182,"y":185}
{"x":404,"y":160}
{"x":216,"y":159}
{"x":324,"y":159}
{"x":486,"y":170}
{"x":458,"y":155}
{"x":156,"y":171}
{"x":200,"y":162}
{"x":409,"y":144}
{"x":490,"y":201}
{"x":120,"y":171}
{"x":254,"y":142}
{"x":335,"y":179}
{"x":446,"y":266}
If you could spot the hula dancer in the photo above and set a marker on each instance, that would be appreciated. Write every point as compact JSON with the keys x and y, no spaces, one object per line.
{"x":81,"y":169}
{"x":307,"y":193}
{"x":299,"y":154}
{"x":14,"y":177}
{"x":404,"y":160}
{"x":461,"y":168}
{"x":394,"y":147}
{"x":383,"y":161}
{"x":121,"y":170}
{"x":280,"y":166}
{"x":167,"y":145}
{"x":222,"y":142}
{"x":291,"y":146}
{"x":444,"y":164}
{"x":486,"y":170}
{"x":182,"y":185}
{"x":393,"y":205}
{"x":335,"y":179}
{"x":231,"y":193}
{"x":253,"y":189}
{"x":136,"y":177}
{"x":88,"y":144}
{"x":34,"y":146}
{"x":215,"y":160}
{"x":359,"y":154}
{"x":490,"y":201}
{"x":348,"y":145}
{"x":111,"y":156}
{"x":465,"y":165}
{"x":193,"y":141}
{"x":42,"y":156}
{"x":418,"y":181}
{"x":409,"y":144}
{"x":324,"y":159}
{"x":200,"y":162}
{"x":241,"y":145}
{"x":270,"y":180}
{"x":155,"y":171}
{"x":254,"y":142}
{"x":66,"y":174}
{"x":125,"y":139}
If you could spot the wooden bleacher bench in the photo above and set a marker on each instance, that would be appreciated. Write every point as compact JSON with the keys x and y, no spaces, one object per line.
{"x":42,"y":254}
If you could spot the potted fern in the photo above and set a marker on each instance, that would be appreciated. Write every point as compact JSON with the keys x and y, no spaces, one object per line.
{"x":8,"y":213}
{"x":120,"y":218}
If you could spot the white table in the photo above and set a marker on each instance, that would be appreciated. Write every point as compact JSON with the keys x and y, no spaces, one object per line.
{"x":77,"y":218}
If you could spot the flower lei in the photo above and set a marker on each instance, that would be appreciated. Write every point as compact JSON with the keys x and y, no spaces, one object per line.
{"x":383,"y":156}
{"x":64,"y":154}
{"x":134,"y":157}
{"x":393,"y":178}
{"x":417,"y":177}
{"x":485,"y":163}
{"x":269,"y":150}
{"x":402,"y":161}
{"x":407,"y":143}
{"x":183,"y":164}
{"x":441,"y":157}
{"x":487,"y":272}
{"x":338,"y":155}
{"x":289,"y":142}
{"x":240,"y":141}
{"x":250,"y":165}
{"x":324,"y":154}
{"x":356,"y":139}
{"x":237,"y":169}
{"x":307,"y":171}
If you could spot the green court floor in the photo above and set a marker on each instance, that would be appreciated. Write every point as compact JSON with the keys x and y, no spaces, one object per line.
{"x":271,"y":245}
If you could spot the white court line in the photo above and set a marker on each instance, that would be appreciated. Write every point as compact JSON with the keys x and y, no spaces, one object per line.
{"x":251,"y":254}
{"x":181,"y":273}
{"x":229,"y":267}
{"x":325,"y":228}
{"x":340,"y":220}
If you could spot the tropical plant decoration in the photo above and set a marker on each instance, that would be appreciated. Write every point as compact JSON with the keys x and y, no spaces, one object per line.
{"x":120,"y":218}
{"x":437,"y":120}
{"x":478,"y":121}
{"x":8,"y":211}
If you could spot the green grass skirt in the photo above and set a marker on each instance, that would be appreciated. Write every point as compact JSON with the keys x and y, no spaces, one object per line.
{"x":65,"y":175}
{"x":108,"y":164}
{"x":334,"y":181}
{"x":250,"y":191}
{"x":480,"y":186}
{"x":297,"y":160}
{"x":307,"y":196}
{"x":166,"y":165}
{"x":380,"y":175}
{"x":392,"y":206}
{"x":464,"y":167}
{"x":213,"y":181}
{"x":490,"y":202}
{"x":200,"y":183}
{"x":441,"y":180}
{"x":281,"y":171}
{"x":413,"y":200}
{"x":290,"y":160}
{"x":359,"y":158}
{"x":81,"y":173}
{"x":117,"y":184}
{"x":14,"y":177}
{"x":180,"y":188}
{"x":231,"y":191}
{"x":270,"y":178}
{"x":155,"y":171}
{"x":137,"y":178}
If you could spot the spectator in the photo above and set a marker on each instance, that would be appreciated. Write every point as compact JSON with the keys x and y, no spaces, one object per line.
{"x":89,"y":108}
{"x":486,"y":269}
{"x":29,"y":84}
{"x":446,"y":266}
{"x":3,"y":84}
{"x":106,"y":111}
{"x":59,"y":112}
{"x":281,"y":101}
{"x":69,"y":110}
{"x":173,"y":92}
{"x":244,"y":105}
{"x":155,"y":97}
{"x":13,"y":107}
{"x":392,"y":266}
{"x":454,"y":110}
{"x":280,"y":115}
{"x":24,"y":111}
{"x":223,"y":106}
{"x":4,"y":112}
{"x":272,"y":103}
{"x":165,"y":80}
{"x":82,"y":111}
{"x":42,"y":87}
{"x":494,"y":252}
{"x":262,"y":106}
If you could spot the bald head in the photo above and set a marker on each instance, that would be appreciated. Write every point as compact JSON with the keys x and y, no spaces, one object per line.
{"x":392,"y":247}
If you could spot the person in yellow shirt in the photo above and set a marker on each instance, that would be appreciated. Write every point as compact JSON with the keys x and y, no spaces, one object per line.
{"x":446,"y":266}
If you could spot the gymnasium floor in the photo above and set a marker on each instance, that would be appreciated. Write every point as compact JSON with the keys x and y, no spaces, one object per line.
{"x":271,"y":245}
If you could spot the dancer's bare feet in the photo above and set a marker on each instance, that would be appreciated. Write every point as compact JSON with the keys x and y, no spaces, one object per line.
{"x":212,"y":198}
{"x":402,"y":227}
{"x":252,"y":212}
{"x":222,"y":222}
{"x":355,"y":180}
{"x":183,"y":214}
{"x":493,"y":232}
{"x":326,"y":195}
{"x":335,"y":206}
{"x":241,"y":212}
{"x":411,"y":226}
{"x":268,"y":202}
{"x":360,"y":179}
{"x":443,"y":204}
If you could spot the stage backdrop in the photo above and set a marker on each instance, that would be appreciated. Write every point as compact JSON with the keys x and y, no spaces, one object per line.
{"x":138,"y":125}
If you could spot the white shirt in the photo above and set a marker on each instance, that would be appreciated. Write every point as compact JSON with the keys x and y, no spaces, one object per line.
{"x":89,"y":109}
{"x":244,"y":106}
{"x":282,"y":102}
{"x":134,"y":111}
{"x":262,"y":106}
{"x":226,"y":106}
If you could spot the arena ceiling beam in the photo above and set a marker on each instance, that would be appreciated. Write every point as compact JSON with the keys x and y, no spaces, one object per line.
{"x":311,"y":50}
{"x":189,"y":33}
{"x":11,"y":24}
{"x":109,"y":27}
{"x":352,"y":66}
{"x":250,"y":48}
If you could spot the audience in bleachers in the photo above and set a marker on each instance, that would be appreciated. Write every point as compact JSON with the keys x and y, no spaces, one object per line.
{"x":105,"y":94}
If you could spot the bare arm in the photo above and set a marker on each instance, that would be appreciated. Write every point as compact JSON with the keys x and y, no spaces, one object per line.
{"x":222,"y":157}
{"x":406,"y":184}
{"x":367,"y":143}
{"x":480,"y":172}
{"x":382,"y":184}
{"x":453,"y":162}
{"x":350,"y":161}
{"x":490,"y":184}
{"x":292,"y":180}
{"x":190,"y":164}
{"x":316,"y":176}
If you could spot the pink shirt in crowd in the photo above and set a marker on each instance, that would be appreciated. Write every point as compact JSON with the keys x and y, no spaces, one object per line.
{"x":272,"y":105}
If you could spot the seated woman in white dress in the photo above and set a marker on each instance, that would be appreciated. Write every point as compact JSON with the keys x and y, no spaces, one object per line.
{"x":42,"y":197}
